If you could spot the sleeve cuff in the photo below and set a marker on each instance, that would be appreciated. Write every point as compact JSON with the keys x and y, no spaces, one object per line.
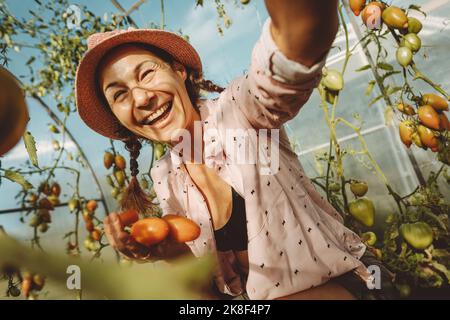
{"x":274,"y":63}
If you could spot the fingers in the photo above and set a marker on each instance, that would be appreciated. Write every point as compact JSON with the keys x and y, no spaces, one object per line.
{"x":109,"y":232}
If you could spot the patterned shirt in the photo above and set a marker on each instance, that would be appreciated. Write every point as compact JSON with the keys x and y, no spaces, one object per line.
{"x":296,"y":239}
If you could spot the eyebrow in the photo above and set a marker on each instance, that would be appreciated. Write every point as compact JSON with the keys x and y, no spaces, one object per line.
{"x":136,"y":71}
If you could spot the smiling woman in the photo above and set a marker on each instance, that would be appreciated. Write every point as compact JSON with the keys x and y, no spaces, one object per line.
{"x":273,"y":234}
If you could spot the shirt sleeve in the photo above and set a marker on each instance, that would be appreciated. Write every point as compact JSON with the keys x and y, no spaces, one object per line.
{"x":275,"y":87}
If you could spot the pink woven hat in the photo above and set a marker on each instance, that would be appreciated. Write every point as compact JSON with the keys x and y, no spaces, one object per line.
{"x":91,"y":105}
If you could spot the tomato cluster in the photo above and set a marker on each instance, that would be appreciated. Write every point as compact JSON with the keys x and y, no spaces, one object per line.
{"x":44,"y":202}
{"x":153,"y":230}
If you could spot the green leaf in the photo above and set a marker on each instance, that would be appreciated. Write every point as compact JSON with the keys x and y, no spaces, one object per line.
{"x":392,"y":90}
{"x":373,"y":101}
{"x":30,"y":61}
{"x":18,"y":178}
{"x":385,"y":66}
{"x":199,"y":3}
{"x":366,"y":67}
{"x":370,"y":87}
{"x":443,"y":269}
{"x":417,"y":8}
{"x":30,"y":145}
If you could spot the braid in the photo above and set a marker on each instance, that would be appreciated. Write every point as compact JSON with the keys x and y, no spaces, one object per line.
{"x":209,"y":86}
{"x":133,"y":146}
{"x":135,"y":198}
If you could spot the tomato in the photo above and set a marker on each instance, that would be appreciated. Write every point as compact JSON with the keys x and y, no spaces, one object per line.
{"x":404,"y":56}
{"x":406,"y":109}
{"x":394,"y":17}
{"x":369,"y":238}
{"x":34,"y":221}
{"x":26,"y":286}
{"x":91,"y":205}
{"x":359,"y":188}
{"x":333,"y":80}
{"x":56,"y":146}
{"x":427,"y":137}
{"x":89,"y":225}
{"x":244,"y":2}
{"x":73,"y":204}
{"x":444,"y":124}
{"x":54,"y":200}
{"x":150,"y":231}
{"x":414,"y":25}
{"x":128,"y":217}
{"x":362,"y":210}
{"x":53,"y":128}
{"x":416,"y":140}
{"x":159,"y":150}
{"x":406,"y":130}
{"x":371,"y":15}
{"x":13,"y":291}
{"x":44,"y":203}
{"x":334,"y":187}
{"x":429,"y":117}
{"x":404,"y":290}
{"x":144,"y":183}
{"x":115,"y":192}
{"x":44,"y":215}
{"x":120,"y":177}
{"x":357,"y":6}
{"x":120,"y":162}
{"x":96,"y":235}
{"x":43,"y":227}
{"x":45,"y":189}
{"x":412,"y":41}
{"x":108,"y":159}
{"x":38,"y":281}
{"x":419,"y":235}
{"x":182,"y":229}
{"x":437,"y":102}
{"x":56,"y":189}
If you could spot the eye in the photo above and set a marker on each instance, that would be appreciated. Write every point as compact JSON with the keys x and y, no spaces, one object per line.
{"x":146,"y":73}
{"x":118,"y":94}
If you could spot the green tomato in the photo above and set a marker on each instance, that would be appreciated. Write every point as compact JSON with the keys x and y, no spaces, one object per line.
{"x":43,"y":227}
{"x":419,"y":235}
{"x":359,"y":188}
{"x":369,"y":238}
{"x":404,"y":56}
{"x":115,"y":192}
{"x":412,"y":41}
{"x":404,"y":290}
{"x":73,"y":204}
{"x":333,"y":80}
{"x":363,"y":210}
{"x":334,"y":187}
{"x":159,"y":150}
{"x":244,"y":2}
{"x":414,"y":25}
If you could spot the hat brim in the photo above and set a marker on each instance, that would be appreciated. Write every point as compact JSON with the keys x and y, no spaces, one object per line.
{"x":90,"y":103}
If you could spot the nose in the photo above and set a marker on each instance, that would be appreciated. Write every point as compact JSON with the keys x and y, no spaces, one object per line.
{"x":142,"y":98}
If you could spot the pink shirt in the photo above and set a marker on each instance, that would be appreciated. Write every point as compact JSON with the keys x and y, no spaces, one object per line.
{"x":296,"y":238}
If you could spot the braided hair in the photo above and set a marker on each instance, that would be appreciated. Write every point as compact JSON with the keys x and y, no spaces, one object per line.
{"x":135,"y":198}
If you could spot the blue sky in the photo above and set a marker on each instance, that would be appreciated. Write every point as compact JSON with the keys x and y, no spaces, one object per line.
{"x":224,"y":57}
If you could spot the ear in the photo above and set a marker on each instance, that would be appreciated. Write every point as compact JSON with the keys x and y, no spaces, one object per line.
{"x":180,"y":70}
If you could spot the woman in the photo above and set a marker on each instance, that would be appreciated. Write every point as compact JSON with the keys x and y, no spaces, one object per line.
{"x":273,"y":234}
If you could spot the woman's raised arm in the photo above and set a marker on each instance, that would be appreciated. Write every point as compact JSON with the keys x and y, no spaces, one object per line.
{"x":287,"y":61}
{"x":303,"y":30}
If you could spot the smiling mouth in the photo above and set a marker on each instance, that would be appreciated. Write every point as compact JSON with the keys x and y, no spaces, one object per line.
{"x":159,"y":114}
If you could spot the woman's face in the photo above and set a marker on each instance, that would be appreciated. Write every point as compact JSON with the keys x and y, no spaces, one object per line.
{"x":145,"y":93}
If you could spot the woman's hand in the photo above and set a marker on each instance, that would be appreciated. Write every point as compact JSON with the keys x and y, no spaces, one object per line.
{"x":120,"y":240}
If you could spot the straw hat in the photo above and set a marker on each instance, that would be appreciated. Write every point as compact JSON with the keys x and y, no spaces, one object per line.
{"x":90,"y":103}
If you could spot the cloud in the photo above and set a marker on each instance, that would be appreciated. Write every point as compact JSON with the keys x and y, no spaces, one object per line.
{"x":43,"y":147}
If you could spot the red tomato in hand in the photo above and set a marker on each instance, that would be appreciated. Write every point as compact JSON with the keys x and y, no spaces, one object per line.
{"x":150,"y":231}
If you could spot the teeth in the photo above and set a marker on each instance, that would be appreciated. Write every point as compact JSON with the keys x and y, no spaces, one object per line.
{"x":157,"y":113}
